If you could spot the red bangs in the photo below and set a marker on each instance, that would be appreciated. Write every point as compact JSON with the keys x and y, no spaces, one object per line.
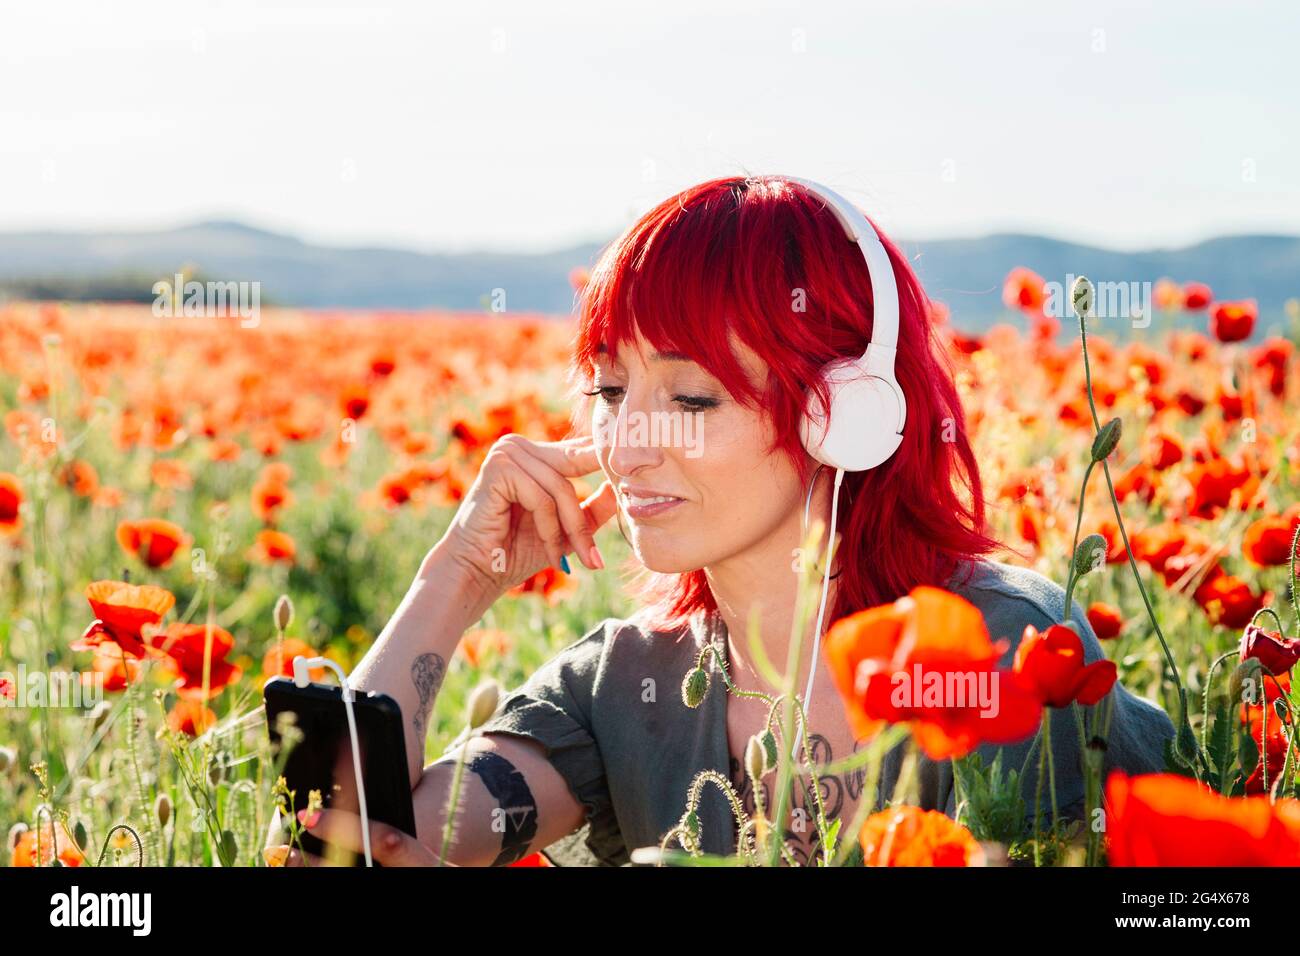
{"x":761,"y":262}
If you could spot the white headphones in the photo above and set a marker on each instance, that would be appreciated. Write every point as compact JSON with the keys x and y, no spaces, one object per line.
{"x":863,"y":425}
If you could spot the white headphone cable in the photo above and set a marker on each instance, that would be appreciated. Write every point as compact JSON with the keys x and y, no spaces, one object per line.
{"x":301,"y":678}
{"x":821,"y":610}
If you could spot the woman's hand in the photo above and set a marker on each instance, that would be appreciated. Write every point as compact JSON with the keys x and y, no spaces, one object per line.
{"x":389,"y":846}
{"x":522,"y":513}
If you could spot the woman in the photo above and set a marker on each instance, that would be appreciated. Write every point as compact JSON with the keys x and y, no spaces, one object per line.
{"x":714,"y":310}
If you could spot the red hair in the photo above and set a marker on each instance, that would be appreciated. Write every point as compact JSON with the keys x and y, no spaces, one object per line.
{"x":738,"y":257}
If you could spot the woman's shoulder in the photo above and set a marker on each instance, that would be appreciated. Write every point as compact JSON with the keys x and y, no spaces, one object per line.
{"x":1012,"y":596}
{"x":617,"y":649}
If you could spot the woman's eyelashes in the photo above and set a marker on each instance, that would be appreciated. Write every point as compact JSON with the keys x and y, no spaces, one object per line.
{"x":613,"y":394}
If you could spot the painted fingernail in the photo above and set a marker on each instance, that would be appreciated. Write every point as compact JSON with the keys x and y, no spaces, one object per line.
{"x":564,"y":563}
{"x":309,"y":819}
{"x":595,"y":557}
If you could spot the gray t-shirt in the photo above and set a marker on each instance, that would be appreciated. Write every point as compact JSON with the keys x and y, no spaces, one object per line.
{"x":608,"y":710}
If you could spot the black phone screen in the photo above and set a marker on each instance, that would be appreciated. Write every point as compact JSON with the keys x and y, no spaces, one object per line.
{"x":322,"y":758}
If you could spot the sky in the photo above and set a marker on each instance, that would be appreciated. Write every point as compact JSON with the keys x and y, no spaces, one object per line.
{"x":527,"y":126}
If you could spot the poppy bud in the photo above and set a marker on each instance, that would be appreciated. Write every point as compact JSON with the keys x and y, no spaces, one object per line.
{"x":1246,"y":682}
{"x":1106,"y":439}
{"x":768,"y":740}
{"x":690,"y":824}
{"x":694,"y":687}
{"x":1091,"y":553}
{"x":8,"y":757}
{"x":483,"y":703}
{"x":755,"y":759}
{"x":283,"y":613}
{"x":16,"y":833}
{"x":1081,"y":294}
{"x":162,"y":809}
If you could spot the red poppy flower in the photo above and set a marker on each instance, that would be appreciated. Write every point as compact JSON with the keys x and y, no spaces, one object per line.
{"x":11,"y":500}
{"x":1269,"y":735}
{"x":1106,"y":620}
{"x":1229,"y":601}
{"x":1196,"y":296}
{"x":270,"y":493}
{"x":1052,"y":663}
{"x":185,"y":645}
{"x":81,"y":477}
{"x":933,"y":639}
{"x":153,"y":540}
{"x":190,"y":717}
{"x":1168,"y":820}
{"x":1233,"y":321}
{"x":278,"y":661}
{"x":171,"y":473}
{"x":64,"y":847}
{"x":1163,"y":450}
{"x":122,"y":610}
{"x":354,"y":400}
{"x":550,"y":583}
{"x":1277,"y":653}
{"x":272,"y":546}
{"x":909,"y":836}
{"x":1267,"y":542}
{"x":1025,"y":290}
{"x":112,"y":668}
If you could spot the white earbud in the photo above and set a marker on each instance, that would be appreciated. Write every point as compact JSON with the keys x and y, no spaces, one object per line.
{"x":301,"y":678}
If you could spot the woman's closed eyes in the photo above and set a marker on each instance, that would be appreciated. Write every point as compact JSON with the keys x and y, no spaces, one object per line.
{"x":612,"y":394}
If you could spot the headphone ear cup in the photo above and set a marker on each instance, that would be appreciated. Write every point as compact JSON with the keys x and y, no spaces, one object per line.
{"x":865,"y":422}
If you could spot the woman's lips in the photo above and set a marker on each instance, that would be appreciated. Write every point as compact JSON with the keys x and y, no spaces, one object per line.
{"x":648,"y":505}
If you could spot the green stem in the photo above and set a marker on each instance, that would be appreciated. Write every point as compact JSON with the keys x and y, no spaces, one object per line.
{"x":453,"y":803}
{"x":1072,"y":576}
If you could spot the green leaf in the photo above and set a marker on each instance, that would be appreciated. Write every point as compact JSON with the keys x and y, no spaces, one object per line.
{"x":228,"y":849}
{"x":1221,"y":753}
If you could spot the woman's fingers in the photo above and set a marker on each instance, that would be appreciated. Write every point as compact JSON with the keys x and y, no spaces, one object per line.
{"x":600,"y":506}
{"x":541,"y":506}
{"x":572,"y":457}
{"x":388,"y":845}
{"x":566,"y":501}
{"x":296,"y":857}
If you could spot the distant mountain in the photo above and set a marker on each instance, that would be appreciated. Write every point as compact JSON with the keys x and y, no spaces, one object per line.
{"x":966,"y":274}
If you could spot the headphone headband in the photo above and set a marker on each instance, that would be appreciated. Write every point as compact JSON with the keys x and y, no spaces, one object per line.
{"x":884,"y":290}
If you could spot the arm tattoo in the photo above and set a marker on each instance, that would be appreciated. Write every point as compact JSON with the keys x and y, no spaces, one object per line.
{"x":427,"y":672}
{"x":514,"y":799}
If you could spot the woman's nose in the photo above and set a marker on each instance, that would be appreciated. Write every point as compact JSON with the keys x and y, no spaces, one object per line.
{"x":632,"y":444}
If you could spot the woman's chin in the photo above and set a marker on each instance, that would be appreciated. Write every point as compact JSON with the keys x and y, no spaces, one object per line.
{"x":664,"y":562}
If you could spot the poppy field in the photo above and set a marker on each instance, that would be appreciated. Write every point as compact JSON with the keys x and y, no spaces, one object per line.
{"x":186,"y":504}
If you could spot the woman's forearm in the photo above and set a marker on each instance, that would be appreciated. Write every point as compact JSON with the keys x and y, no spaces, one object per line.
{"x":409,"y":659}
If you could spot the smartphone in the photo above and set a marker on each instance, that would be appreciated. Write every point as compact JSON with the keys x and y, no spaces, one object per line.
{"x":322,"y":758}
